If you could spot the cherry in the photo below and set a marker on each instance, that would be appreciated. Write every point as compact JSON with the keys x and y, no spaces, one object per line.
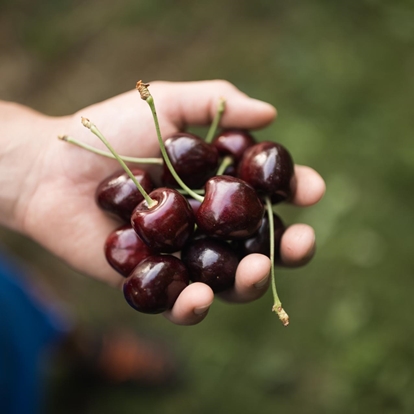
{"x":194,"y":160}
{"x":166,"y":225}
{"x":230,"y":170}
{"x":260,"y":241}
{"x":231,"y":208}
{"x":155,"y":284}
{"x":268,"y":167}
{"x":124,"y":249}
{"x":233,"y":142}
{"x":211,"y":261}
{"x":119,"y":195}
{"x":194,"y":204}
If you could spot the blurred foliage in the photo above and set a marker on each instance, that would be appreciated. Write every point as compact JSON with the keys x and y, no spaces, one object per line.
{"x":341,"y":76}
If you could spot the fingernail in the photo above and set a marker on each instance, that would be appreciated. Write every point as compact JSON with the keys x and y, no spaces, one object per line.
{"x":261,"y":283}
{"x":202,"y":309}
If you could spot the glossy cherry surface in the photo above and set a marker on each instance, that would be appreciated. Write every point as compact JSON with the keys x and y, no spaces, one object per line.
{"x":195,"y":204}
{"x":269,"y":168}
{"x":124,"y":249}
{"x":193,"y":159}
{"x":154,"y":285}
{"x":119,"y":195}
{"x":233,"y":142}
{"x":260,"y":241}
{"x":231,"y":208}
{"x":166,"y":226}
{"x":211,"y":261}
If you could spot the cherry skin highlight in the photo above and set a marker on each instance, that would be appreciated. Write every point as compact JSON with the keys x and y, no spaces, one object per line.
{"x":124,"y":249}
{"x":193,"y":159}
{"x":269,"y":168}
{"x":155,"y":284}
{"x":118,"y":194}
{"x":166,"y":226}
{"x":231,"y":209}
{"x":211,"y":261}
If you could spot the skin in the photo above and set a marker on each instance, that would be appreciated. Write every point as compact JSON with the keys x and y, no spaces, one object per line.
{"x":47,"y":187}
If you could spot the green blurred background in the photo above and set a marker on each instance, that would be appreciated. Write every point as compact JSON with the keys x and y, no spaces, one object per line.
{"x":341,"y":75}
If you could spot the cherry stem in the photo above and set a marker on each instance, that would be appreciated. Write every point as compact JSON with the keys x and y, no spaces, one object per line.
{"x":146,"y":96}
{"x":277,"y":306}
{"x":125,"y":158}
{"x":198,"y":191}
{"x":227,"y":160}
{"x":88,"y":124}
{"x":216,"y":121}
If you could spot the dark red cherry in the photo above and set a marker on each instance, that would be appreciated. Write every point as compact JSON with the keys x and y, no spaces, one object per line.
{"x":118,"y":194}
{"x":154,"y":285}
{"x":231,"y":170}
{"x":193,"y":159}
{"x":260,"y":241}
{"x":211,"y":261}
{"x":124,"y":249}
{"x":231,"y":208}
{"x":195,"y":204}
{"x":166,"y":226}
{"x":268,"y":167}
{"x":233,"y":142}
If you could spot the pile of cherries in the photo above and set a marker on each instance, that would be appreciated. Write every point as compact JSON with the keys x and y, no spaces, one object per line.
{"x":211,"y":208}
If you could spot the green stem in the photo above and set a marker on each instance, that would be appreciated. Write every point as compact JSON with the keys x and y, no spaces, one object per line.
{"x":88,"y":124}
{"x":198,"y":191}
{"x":227,"y":160}
{"x":167,"y":161}
{"x":277,"y":306}
{"x":214,"y":125}
{"x":108,"y":154}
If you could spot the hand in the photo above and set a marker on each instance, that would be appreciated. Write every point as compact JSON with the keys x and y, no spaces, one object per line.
{"x":56,"y":203}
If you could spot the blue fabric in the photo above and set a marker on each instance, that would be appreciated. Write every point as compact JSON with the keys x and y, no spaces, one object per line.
{"x":26,"y":329}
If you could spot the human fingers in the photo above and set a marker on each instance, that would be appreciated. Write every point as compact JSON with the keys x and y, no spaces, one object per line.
{"x":297,"y":246}
{"x":192,"y":306}
{"x":252,"y":279}
{"x":196,"y":103}
{"x":309,"y":186}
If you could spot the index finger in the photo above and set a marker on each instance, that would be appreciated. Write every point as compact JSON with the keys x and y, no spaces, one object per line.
{"x":195,"y":103}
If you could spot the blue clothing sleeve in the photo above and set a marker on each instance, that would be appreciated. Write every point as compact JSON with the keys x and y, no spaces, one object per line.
{"x":27,"y":328}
